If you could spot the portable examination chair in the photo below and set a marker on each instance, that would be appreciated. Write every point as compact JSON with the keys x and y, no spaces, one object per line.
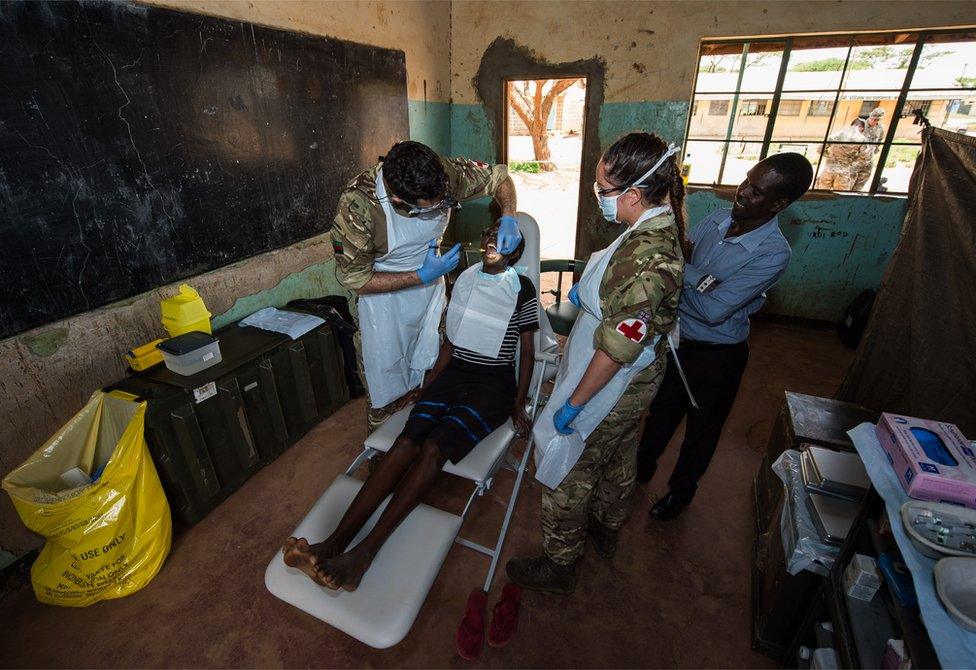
{"x":382,"y":610}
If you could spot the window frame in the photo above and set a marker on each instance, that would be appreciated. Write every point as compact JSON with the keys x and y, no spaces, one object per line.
{"x":921,"y":39}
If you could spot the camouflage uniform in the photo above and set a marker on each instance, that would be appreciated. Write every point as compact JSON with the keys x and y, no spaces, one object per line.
{"x":861,"y":170}
{"x":839,"y":162}
{"x":359,"y":233}
{"x":644,"y":275}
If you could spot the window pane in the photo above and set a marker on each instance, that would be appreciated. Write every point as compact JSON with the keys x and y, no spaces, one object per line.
{"x":810,"y":150}
{"x":751,"y":118}
{"x":704,"y":158}
{"x":718,"y":69}
{"x":847,"y":167}
{"x":814,"y":69}
{"x":853,"y":105}
{"x":898,"y":168}
{"x":762,"y":66}
{"x":809,"y":123}
{"x":946,"y":64}
{"x":741,"y":157}
{"x":951,"y":110}
{"x":710,"y":116}
{"x":879,"y":66}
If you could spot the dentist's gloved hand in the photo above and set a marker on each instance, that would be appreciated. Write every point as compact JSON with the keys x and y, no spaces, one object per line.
{"x":574,"y":296}
{"x":509,"y":235}
{"x":437,"y":266}
{"x":564,"y":416}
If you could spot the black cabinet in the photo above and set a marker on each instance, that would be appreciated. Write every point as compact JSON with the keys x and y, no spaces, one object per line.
{"x":209,"y":432}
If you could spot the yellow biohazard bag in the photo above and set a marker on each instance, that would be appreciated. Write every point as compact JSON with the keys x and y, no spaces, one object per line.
{"x":92,"y":491}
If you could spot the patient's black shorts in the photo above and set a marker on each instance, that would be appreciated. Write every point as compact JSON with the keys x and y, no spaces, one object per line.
{"x":462,"y":406}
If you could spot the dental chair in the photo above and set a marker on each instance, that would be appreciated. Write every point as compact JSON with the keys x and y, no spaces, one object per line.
{"x":382,"y":610}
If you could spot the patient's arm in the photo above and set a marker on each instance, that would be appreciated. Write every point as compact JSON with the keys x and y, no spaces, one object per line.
{"x":526,"y":362}
{"x":443,"y":358}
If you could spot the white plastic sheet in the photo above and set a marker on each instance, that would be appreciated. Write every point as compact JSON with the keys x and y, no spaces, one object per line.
{"x":292,"y":324}
{"x":801,"y":542}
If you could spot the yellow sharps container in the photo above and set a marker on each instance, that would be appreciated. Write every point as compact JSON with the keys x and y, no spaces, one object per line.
{"x":185,"y":312}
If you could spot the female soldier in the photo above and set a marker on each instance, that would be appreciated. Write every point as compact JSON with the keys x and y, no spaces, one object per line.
{"x":586,"y":437}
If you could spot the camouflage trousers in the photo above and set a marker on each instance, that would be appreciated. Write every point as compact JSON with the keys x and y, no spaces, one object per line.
{"x":859,"y":175}
{"x":836,"y":179}
{"x":601,"y":484}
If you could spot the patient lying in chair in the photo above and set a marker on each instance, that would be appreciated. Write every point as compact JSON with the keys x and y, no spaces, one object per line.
{"x":471,"y":390}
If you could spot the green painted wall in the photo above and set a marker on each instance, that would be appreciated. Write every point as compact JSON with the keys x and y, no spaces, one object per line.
{"x":430,"y":123}
{"x":841,"y":244}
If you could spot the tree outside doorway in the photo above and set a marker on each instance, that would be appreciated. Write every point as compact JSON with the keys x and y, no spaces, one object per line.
{"x":544,"y":146}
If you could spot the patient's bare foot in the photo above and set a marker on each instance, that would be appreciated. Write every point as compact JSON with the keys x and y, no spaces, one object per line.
{"x":346,"y":570}
{"x":298,"y":554}
{"x":329,"y":548}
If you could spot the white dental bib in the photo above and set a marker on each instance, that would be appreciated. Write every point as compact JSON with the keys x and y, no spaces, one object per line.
{"x":481,"y":308}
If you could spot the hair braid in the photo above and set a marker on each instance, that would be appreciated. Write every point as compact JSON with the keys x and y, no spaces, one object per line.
{"x":676,"y":194}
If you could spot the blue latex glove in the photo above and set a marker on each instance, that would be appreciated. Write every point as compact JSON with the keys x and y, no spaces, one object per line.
{"x":564,"y":416}
{"x":437,"y":266}
{"x":509,"y":235}
{"x":574,"y":296}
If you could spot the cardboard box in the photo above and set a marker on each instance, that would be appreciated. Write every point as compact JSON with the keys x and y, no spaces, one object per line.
{"x":933,"y":460}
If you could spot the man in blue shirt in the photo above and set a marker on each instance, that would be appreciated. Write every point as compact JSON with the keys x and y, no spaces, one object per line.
{"x":734,"y":256}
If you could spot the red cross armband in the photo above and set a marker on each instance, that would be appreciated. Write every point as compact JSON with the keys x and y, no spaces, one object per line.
{"x":633,"y":329}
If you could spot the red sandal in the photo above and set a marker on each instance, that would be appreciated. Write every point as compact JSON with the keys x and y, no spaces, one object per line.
{"x":470,"y":637}
{"x":504,"y":618}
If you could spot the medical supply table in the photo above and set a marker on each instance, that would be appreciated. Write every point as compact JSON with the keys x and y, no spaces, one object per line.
{"x":209,"y":432}
{"x":861,"y":629}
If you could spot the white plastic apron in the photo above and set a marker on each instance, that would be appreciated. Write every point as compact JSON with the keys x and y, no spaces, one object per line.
{"x":399,"y":329}
{"x":555,"y":454}
{"x":481,"y":308}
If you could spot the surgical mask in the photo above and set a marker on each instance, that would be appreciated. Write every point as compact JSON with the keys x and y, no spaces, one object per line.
{"x":608,"y":203}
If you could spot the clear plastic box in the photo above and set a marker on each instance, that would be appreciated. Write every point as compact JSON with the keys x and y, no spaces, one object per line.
{"x":190,"y":353}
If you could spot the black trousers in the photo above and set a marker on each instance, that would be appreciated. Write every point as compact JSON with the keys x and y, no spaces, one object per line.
{"x":714,"y":372}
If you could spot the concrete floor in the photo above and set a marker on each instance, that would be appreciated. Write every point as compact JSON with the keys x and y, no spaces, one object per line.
{"x":677,"y":594}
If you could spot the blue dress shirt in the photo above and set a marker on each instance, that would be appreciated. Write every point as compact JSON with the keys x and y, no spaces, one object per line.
{"x":745,"y":267}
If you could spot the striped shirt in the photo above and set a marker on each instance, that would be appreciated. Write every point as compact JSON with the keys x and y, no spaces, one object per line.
{"x":525,"y":318}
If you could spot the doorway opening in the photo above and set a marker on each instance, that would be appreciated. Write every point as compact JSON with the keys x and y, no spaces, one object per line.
{"x":543,"y":145}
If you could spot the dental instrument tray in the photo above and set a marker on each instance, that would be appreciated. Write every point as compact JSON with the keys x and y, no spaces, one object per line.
{"x":833,"y":517}
{"x":834,"y":474}
{"x":940,"y":529}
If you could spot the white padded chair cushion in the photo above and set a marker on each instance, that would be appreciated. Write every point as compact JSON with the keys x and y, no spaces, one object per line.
{"x":382,"y":610}
{"x":476,"y":466}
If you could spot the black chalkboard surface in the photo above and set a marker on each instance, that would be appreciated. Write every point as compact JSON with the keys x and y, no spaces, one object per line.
{"x":139,"y":146}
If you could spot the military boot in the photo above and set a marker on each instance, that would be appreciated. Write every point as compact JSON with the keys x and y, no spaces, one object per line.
{"x":541,"y":573}
{"x":604,"y":539}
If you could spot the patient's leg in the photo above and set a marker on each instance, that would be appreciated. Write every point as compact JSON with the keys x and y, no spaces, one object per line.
{"x":379,"y":484}
{"x":347,"y":569}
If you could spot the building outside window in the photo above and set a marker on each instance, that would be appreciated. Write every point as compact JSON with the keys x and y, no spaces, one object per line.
{"x":753,"y":108}
{"x":867,"y":107}
{"x":718,"y":108}
{"x":790,"y":107}
{"x":821,"y":108}
{"x":800,"y":93}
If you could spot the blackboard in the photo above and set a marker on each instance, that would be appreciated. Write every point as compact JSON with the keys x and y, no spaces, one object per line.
{"x":139,"y":146}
